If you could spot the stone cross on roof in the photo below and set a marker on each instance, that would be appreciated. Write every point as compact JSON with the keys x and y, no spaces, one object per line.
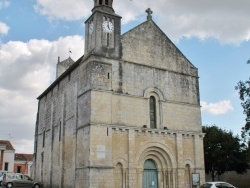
{"x":150,"y":12}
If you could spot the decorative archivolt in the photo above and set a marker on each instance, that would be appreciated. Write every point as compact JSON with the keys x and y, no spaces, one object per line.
{"x":158,"y":152}
{"x":122,"y":161}
{"x":190,"y":163}
{"x":155,"y":92}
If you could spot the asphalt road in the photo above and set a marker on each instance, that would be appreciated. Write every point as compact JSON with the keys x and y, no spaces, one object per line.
{"x":13,"y":187}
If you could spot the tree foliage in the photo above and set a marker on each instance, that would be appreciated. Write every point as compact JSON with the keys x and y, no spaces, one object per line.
{"x":244,"y":93}
{"x":223,"y":152}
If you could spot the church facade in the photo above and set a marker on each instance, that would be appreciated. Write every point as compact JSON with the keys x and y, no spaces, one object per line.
{"x":126,"y":114}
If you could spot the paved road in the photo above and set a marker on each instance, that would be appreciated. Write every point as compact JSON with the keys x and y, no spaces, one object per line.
{"x":14,"y":187}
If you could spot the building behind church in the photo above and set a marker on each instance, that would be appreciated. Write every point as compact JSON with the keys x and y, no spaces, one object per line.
{"x":125,"y":114}
{"x":14,"y":162}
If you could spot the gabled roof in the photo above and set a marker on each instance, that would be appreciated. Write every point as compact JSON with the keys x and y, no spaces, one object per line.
{"x":23,"y":157}
{"x":7,"y":143}
{"x":147,"y":44}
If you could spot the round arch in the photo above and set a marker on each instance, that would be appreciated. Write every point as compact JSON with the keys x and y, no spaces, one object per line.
{"x":189,"y":162}
{"x":158,"y":152}
{"x":122,"y":161}
{"x":155,"y":92}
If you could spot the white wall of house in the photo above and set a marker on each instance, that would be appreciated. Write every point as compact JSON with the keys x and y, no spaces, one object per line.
{"x":2,"y":148}
{"x":9,"y":156}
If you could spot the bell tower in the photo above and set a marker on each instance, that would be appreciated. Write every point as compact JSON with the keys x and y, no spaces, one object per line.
{"x":103,"y":31}
{"x":103,"y":4}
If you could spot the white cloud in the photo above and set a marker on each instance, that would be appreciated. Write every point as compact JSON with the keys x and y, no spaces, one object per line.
{"x":226,"y":20}
{"x":26,"y":70}
{"x":64,"y":9}
{"x":4,"y":29}
{"x":24,"y":146}
{"x":4,"y":4}
{"x":218,"y":108}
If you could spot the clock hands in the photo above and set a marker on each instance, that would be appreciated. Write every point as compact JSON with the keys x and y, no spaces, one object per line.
{"x":108,"y":26}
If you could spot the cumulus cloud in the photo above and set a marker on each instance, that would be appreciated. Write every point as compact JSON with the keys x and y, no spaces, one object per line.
{"x":4,"y":4}
{"x":226,"y":20}
{"x":24,"y":145}
{"x":4,"y":28}
{"x":26,"y":70}
{"x":218,"y":108}
{"x":64,"y":9}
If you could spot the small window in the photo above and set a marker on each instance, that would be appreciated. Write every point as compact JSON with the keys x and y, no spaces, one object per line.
{"x":100,"y":2}
{"x":106,"y":2}
{"x":43,"y":138}
{"x":19,"y":169}
{"x":6,"y":166}
{"x":207,"y":185}
{"x":10,"y":175}
{"x":226,"y":185}
{"x":60,"y":131}
{"x":19,"y":176}
{"x":218,"y":185}
{"x":27,"y":178}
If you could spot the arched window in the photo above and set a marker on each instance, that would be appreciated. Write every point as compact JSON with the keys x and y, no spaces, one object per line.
{"x":152,"y":107}
{"x":118,"y":181}
{"x":187,"y":178}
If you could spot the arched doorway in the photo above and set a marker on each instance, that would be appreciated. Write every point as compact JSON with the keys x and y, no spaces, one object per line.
{"x":150,"y":175}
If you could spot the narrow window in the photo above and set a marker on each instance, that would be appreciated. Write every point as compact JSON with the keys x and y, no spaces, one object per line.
{"x":106,"y":2}
{"x":152,"y":107}
{"x":6,"y":166}
{"x":187,"y":178}
{"x":43,"y":138}
{"x":60,"y":131}
{"x":42,"y":160}
{"x":19,"y":169}
{"x":100,"y":2}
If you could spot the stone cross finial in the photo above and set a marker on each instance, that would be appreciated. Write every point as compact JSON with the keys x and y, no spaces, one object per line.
{"x":150,"y":12}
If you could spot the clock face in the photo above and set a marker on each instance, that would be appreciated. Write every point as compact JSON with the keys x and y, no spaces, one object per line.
{"x":108,"y":27}
{"x":91,"y":28}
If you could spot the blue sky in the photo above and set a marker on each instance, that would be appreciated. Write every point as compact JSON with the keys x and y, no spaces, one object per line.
{"x":213,"y":35}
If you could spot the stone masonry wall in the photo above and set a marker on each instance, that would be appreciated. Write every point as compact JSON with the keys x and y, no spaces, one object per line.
{"x":56,"y":128}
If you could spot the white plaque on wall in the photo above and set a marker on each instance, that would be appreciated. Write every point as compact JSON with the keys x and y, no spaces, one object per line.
{"x":101,"y":152}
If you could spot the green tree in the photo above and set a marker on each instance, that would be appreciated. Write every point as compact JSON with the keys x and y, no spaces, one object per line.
{"x":223,"y":152}
{"x":244,"y":93}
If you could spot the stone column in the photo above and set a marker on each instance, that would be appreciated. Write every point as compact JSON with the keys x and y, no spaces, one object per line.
{"x":124,"y":178}
{"x":131,"y":156}
{"x":174,"y":179}
{"x":169,"y":178}
{"x":164,"y":178}
{"x":139,"y":177}
{"x":160,"y":182}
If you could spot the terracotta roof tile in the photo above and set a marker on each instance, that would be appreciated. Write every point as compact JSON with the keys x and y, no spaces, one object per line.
{"x":23,"y":157}
{"x":7,"y":143}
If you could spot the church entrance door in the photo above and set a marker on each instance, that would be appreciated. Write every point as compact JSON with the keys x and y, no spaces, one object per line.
{"x":150,"y":175}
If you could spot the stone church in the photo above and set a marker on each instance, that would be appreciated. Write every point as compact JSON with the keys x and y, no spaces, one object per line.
{"x":124,"y":115}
